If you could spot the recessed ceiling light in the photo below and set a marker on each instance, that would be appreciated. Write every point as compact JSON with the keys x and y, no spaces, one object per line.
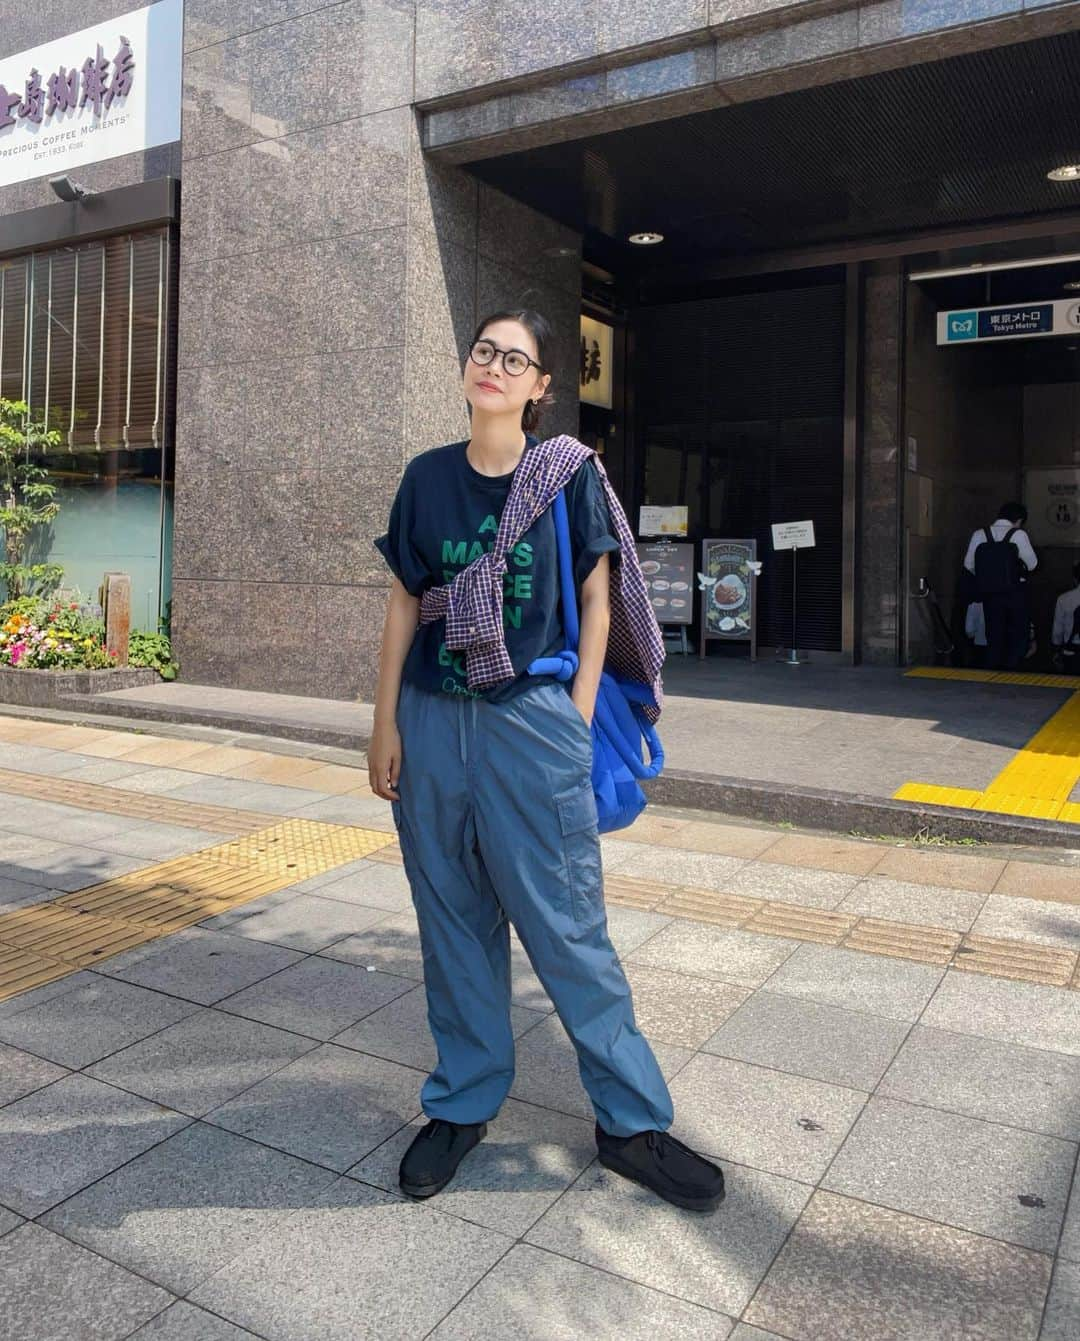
{"x":645,"y":239}
{"x":1068,"y":172}
{"x":1073,"y":284}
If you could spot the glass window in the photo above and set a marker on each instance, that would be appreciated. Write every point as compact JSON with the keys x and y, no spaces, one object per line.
{"x":84,"y":340}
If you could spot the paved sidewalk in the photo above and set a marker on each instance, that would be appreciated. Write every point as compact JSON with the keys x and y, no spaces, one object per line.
{"x":199,"y":1136}
{"x":822,"y":745}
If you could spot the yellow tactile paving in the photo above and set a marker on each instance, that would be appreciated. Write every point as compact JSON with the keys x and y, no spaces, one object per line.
{"x":1031,"y":678}
{"x":44,"y":942}
{"x":301,"y":847}
{"x":960,"y":798}
{"x":1018,"y":959}
{"x":73,"y":938}
{"x":903,"y":940}
{"x":134,"y":805}
{"x":635,"y":892}
{"x":1037,"y":783}
{"x":20,"y":971}
{"x":939,"y":946}
{"x":704,"y":905}
{"x":804,"y":924}
{"x":49,"y":940}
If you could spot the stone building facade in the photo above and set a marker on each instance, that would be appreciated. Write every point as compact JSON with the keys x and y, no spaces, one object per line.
{"x":335,"y":247}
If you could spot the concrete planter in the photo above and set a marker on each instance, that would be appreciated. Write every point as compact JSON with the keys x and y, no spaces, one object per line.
{"x":48,"y":688}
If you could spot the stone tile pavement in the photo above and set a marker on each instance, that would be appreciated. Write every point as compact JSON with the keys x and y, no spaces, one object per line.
{"x":199,"y":1137}
{"x":861,"y":729}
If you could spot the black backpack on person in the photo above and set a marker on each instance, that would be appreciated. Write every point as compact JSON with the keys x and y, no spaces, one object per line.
{"x":998,"y":566}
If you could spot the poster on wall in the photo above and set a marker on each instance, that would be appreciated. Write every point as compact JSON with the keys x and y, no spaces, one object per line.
{"x":669,"y":576}
{"x":594,"y":383}
{"x":728,"y":587}
{"x":1053,"y":504}
{"x":653,"y":520}
{"x":107,"y":90}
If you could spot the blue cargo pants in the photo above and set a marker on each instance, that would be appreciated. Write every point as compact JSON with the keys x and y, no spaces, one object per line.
{"x":497,"y":823}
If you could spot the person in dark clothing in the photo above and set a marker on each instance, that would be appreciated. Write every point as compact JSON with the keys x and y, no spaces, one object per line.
{"x":1001,"y":557}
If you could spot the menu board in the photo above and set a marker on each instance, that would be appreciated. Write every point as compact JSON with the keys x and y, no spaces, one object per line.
{"x":669,"y":575}
{"x":728,"y":607}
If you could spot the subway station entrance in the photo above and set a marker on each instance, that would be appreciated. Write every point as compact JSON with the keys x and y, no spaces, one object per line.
{"x":771,"y":274}
{"x":992,"y":414}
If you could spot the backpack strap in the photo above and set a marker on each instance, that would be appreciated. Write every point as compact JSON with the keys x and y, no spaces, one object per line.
{"x":1005,"y":539}
{"x":986,"y":533}
{"x":564,"y":665}
{"x":571,"y":623}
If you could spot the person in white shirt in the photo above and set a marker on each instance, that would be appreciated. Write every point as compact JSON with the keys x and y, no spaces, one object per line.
{"x":1001,"y":572}
{"x":1065,"y":621}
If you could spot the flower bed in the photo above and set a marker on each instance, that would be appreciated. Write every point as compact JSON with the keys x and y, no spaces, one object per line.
{"x":49,"y":688}
{"x":53,"y":648}
{"x":35,"y":639}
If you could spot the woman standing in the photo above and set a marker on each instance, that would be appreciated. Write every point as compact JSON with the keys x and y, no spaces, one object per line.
{"x":491,"y":789}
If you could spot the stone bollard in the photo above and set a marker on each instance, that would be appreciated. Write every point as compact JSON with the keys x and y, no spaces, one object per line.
{"x":116,"y":601}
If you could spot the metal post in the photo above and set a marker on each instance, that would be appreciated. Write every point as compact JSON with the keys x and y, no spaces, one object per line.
{"x":793,"y":658}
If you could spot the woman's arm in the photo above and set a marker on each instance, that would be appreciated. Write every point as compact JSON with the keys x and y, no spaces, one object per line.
{"x":384,"y":752}
{"x":592,"y":647}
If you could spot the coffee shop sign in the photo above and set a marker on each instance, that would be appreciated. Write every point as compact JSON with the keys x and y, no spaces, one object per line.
{"x":107,"y":90}
{"x":98,"y":81}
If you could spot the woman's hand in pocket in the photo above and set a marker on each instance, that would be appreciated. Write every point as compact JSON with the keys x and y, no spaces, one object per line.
{"x":384,"y":761}
{"x":585,"y":704}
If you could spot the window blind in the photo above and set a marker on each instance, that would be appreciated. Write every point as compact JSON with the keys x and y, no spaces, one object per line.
{"x":83,"y":340}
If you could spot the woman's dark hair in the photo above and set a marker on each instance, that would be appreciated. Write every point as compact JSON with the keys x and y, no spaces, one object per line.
{"x":1013,"y":512}
{"x":541,"y":331}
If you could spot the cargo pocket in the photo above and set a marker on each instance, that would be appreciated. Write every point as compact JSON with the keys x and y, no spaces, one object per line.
{"x":581,"y":850}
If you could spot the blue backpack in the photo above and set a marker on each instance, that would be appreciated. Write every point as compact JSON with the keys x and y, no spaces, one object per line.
{"x":619,"y":723}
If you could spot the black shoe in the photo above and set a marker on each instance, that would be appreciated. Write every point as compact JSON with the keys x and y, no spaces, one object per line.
{"x":437,"y":1150}
{"x":664,"y":1165}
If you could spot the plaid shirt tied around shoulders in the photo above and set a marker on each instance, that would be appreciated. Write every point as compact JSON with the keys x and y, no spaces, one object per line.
{"x":473,"y":603}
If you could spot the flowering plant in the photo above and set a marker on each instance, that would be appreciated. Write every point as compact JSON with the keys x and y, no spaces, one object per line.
{"x":27,"y":502}
{"x":63,"y":633}
{"x":60,"y":637}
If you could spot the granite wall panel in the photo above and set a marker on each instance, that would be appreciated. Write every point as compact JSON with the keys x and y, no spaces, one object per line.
{"x":208,"y":22}
{"x":332,"y":283}
{"x":207,"y":623}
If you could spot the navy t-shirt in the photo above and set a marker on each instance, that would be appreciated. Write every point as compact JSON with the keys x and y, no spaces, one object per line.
{"x":445,"y":515}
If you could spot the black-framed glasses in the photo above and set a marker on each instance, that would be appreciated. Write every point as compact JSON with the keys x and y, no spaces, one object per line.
{"x":514,"y":361}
